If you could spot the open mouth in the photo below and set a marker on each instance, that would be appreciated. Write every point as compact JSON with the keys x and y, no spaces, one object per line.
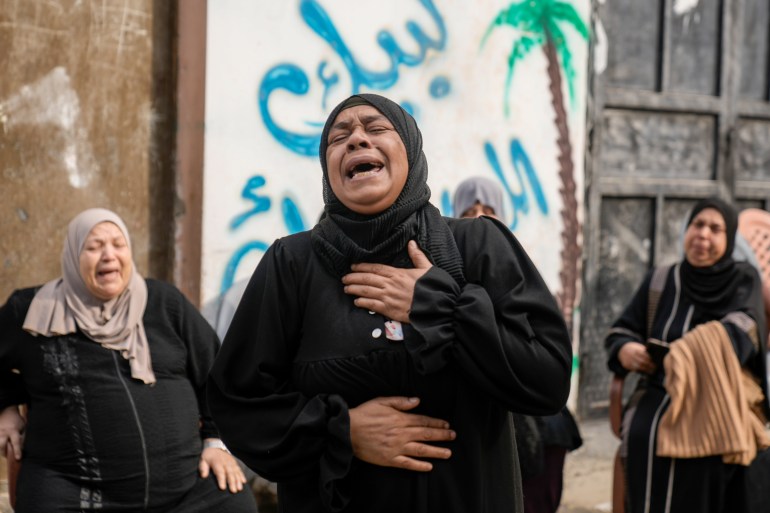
{"x":364,"y":169}
{"x":108,"y":274}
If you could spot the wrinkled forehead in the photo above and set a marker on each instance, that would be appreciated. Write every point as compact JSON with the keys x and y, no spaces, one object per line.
{"x":105,"y":229}
{"x":364,"y":113}
{"x":95,"y":220}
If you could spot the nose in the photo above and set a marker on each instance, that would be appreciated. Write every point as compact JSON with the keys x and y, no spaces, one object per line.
{"x":108,"y":252}
{"x":358,"y":139}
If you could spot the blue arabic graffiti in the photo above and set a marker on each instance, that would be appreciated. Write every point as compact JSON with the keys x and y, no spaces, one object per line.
{"x":292,"y":218}
{"x":524,"y":172}
{"x":292,"y":78}
{"x":261,"y":203}
{"x":522,"y":168}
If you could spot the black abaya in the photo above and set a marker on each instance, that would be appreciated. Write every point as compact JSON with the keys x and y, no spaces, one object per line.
{"x":299,"y":354}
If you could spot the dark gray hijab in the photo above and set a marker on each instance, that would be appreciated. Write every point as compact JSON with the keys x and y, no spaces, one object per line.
{"x":343,"y":237}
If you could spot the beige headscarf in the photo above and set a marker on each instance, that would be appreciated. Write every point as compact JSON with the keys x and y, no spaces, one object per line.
{"x":64,"y":304}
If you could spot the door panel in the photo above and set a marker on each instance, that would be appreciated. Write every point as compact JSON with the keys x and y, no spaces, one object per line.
{"x":681,"y":112}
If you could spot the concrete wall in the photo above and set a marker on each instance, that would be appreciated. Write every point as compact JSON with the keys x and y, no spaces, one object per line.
{"x":275,"y":69}
{"x":85,"y":120}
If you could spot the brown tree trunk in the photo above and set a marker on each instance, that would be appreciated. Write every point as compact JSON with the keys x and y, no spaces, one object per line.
{"x":570,"y":252}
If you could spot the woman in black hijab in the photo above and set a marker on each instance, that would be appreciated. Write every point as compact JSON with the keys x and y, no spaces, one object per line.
{"x":373,"y":361}
{"x":707,"y":285}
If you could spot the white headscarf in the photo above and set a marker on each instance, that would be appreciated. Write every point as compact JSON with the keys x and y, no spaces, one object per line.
{"x":65,"y":304}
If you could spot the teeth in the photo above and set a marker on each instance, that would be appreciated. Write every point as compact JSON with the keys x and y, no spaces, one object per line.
{"x":365,"y":168}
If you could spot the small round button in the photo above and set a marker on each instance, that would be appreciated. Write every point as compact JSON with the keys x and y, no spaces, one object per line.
{"x":376,"y":333}
{"x":372,"y":312}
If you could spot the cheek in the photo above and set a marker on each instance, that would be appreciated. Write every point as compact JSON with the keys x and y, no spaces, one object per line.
{"x":332,"y":161}
{"x":689,"y":236}
{"x":721,"y":245}
{"x":127,"y":265}
{"x":86,"y":267}
{"x":401,"y":173}
{"x":332,"y":170}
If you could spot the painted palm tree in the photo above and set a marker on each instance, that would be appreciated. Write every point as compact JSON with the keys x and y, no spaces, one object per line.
{"x":539,"y":25}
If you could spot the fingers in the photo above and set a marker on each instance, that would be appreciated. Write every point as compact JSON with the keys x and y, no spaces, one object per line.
{"x":236,"y":479}
{"x":16,"y":442}
{"x":641,"y":362}
{"x":219,"y":471}
{"x":399,"y":402}
{"x":203,"y":468}
{"x":9,"y":454}
{"x":419,"y":259}
{"x":224,"y":466}
{"x":364,"y":291}
{"x":420,"y":450}
{"x":383,"y":432}
{"x":414,"y":450}
{"x":405,"y":404}
{"x":645,"y":364}
{"x":221,"y":474}
{"x":376,"y":270}
{"x":229,"y":476}
{"x":411,"y":464}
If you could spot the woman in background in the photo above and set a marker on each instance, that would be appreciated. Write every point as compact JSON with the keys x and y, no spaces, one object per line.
{"x":542,"y":442}
{"x":681,"y":455}
{"x":112,"y":368}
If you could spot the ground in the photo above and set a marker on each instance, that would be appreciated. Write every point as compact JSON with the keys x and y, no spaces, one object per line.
{"x":588,"y":470}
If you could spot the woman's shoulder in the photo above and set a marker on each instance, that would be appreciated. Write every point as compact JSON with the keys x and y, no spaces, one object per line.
{"x":159,"y":289}
{"x":475,"y":227}
{"x":748,"y":271}
{"x":294,"y":248}
{"x":482,"y":235}
{"x":20,"y":299}
{"x":165,"y":297}
{"x":296,"y":242}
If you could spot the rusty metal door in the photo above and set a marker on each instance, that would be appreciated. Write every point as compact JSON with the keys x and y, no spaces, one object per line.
{"x":680,"y":112}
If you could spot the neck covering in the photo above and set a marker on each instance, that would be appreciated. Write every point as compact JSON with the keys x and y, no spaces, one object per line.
{"x":715,"y":286}
{"x":478,"y":189}
{"x":343,"y":237}
{"x":63,"y":305}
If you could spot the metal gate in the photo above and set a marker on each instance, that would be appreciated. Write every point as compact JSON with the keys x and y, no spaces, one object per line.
{"x":680,"y":112}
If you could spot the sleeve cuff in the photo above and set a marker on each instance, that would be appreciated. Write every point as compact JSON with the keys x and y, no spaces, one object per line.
{"x":435,"y":299}
{"x":613,"y":362}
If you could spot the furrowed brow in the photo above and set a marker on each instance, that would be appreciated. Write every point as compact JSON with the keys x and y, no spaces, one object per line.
{"x":341,"y":125}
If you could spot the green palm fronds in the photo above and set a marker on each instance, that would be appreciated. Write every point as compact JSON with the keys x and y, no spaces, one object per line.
{"x":537,"y":23}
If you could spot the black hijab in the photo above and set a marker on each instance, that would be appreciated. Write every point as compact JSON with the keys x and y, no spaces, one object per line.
{"x":726,"y":285}
{"x":343,"y":237}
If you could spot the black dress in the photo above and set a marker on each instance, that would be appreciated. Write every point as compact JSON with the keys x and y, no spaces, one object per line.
{"x":96,"y":439}
{"x":679,"y":485}
{"x":299,"y":354}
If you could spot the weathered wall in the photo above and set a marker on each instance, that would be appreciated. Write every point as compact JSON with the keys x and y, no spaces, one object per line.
{"x":275,"y":69}
{"x":85,"y":104}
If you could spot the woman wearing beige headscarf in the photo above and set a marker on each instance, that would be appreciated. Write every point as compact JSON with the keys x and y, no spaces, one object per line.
{"x":112,"y":367}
